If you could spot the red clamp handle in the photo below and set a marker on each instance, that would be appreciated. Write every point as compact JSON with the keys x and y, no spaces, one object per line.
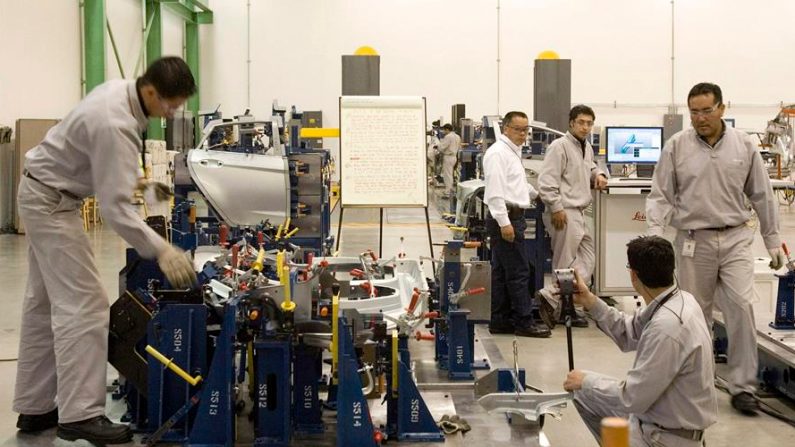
{"x":420,"y":336}
{"x":414,"y":298}
{"x":475,"y":291}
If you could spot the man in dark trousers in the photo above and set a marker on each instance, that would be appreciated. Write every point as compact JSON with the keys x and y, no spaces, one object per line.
{"x":507,"y":194}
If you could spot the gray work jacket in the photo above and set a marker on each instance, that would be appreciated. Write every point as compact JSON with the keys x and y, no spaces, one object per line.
{"x":566,"y":174}
{"x":671,"y":383}
{"x":696,"y":186}
{"x":95,"y":150}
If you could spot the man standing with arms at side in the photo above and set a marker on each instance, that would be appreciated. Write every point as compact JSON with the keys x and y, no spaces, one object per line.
{"x":507,"y":194}
{"x":449,"y":147}
{"x":700,"y":187}
{"x":63,"y":351}
{"x":564,"y":184}
{"x":669,"y":393}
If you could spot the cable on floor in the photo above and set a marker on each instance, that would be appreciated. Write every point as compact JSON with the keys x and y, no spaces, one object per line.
{"x":764,"y":407}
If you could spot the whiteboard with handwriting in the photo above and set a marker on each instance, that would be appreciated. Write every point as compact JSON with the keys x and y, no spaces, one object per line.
{"x":382,"y":151}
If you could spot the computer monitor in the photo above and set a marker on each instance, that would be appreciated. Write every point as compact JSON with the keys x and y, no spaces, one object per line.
{"x":633,"y":144}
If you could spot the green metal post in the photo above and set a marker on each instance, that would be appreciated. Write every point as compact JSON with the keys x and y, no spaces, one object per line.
{"x":154,"y":49}
{"x":192,"y":59}
{"x":94,"y":43}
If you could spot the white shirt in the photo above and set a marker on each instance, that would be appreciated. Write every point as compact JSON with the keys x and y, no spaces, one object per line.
{"x":506,"y":181}
{"x":95,"y":150}
{"x":450,"y":145}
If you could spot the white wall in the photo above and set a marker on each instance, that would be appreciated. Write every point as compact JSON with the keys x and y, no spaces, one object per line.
{"x":442,"y":49}
{"x":40,"y":65}
{"x":40,"y":73}
{"x":447,"y":51}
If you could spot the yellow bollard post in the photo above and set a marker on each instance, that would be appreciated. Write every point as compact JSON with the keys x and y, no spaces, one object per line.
{"x":615,"y":432}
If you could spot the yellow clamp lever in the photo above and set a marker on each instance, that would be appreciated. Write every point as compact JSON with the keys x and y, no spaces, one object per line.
{"x":170,"y":365}
{"x":258,"y":264}
{"x":455,"y":228}
{"x":291,"y":233}
{"x":287,"y":305}
{"x":279,"y":232}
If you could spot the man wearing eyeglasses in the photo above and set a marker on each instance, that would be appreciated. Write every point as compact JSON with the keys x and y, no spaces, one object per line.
{"x":669,"y":394}
{"x":700,"y":187}
{"x":507,"y":194}
{"x":564,"y":184}
{"x":64,"y":332}
{"x":449,"y":147}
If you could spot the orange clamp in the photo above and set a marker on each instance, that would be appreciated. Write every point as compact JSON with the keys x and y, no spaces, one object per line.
{"x":475,"y":291}
{"x":420,"y":336}
{"x":414,"y":298}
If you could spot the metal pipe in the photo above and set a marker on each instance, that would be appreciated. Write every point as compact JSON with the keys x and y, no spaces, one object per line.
{"x":498,"y":57}
{"x":94,"y":34}
{"x":115,"y":49}
{"x":672,"y":109}
{"x":81,"y":8}
{"x":144,"y":38}
{"x":154,"y":49}
{"x":248,"y":54}
{"x":192,"y":58}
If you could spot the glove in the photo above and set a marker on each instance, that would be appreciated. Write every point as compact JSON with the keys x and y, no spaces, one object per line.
{"x":159,"y":191}
{"x":655,"y":231}
{"x":777,"y":259}
{"x":177,"y":268}
{"x":453,"y":424}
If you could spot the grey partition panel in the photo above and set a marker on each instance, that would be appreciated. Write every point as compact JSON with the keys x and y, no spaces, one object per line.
{"x":361,"y":75}
{"x":552,"y":92}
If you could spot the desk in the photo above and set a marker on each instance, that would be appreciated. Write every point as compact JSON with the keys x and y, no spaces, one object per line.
{"x":619,"y":216}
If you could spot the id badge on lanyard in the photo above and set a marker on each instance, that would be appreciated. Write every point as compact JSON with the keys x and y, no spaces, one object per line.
{"x":689,"y":247}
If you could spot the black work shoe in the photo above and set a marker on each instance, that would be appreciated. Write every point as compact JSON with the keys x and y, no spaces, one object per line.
{"x":745,"y":403}
{"x":533,"y":331}
{"x":577,"y":321}
{"x":37,"y":422}
{"x":545,"y":310}
{"x":501,"y":328}
{"x":99,"y":430}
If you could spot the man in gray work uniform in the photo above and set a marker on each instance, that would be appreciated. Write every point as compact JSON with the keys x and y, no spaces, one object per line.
{"x":564,"y":184}
{"x":700,"y":187}
{"x":61,"y":373}
{"x":669,"y":393}
{"x":449,"y":147}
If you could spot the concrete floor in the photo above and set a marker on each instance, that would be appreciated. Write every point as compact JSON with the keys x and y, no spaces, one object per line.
{"x":544,"y":360}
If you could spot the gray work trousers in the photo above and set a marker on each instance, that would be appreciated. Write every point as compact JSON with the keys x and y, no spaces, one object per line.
{"x":721,"y":272}
{"x":640,"y":434}
{"x":448,"y":166}
{"x":63,"y":344}
{"x":573,"y":245}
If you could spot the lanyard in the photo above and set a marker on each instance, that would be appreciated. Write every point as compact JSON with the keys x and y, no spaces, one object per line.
{"x":662,"y":302}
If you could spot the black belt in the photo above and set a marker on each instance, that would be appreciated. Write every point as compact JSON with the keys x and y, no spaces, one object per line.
{"x":515,"y":212}
{"x":62,"y":191}
{"x":693,"y":435}
{"x":724,"y":228}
